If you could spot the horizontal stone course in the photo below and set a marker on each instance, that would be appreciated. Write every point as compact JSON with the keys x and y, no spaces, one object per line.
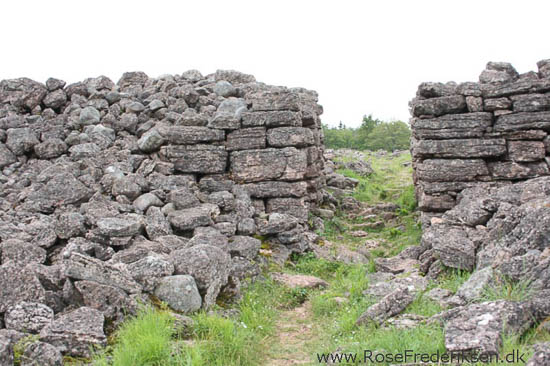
{"x":471,"y":134}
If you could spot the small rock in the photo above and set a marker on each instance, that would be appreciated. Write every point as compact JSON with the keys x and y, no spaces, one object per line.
{"x":89,"y":116}
{"x":359,"y":234}
{"x":390,"y":305}
{"x":117,"y":227}
{"x":143,"y":202}
{"x":225,"y":89}
{"x":180,"y":293}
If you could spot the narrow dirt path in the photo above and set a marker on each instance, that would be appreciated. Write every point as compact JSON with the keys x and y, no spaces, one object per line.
{"x":294,"y":330}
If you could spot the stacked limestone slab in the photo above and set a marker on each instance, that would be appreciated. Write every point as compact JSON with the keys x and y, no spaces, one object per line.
{"x":111,"y":193}
{"x":493,"y":132}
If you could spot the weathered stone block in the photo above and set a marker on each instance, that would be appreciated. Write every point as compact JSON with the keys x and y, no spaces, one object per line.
{"x":516,"y":87}
{"x":435,"y":90}
{"x":525,"y":151}
{"x":452,"y":126}
{"x":452,"y":246}
{"x":21,"y":140}
{"x":436,"y":203}
{"x":18,"y":284}
{"x":271,"y":119}
{"x":204,"y":159}
{"x":531,"y":102}
{"x":246,"y":139}
{"x":269,"y":164}
{"x":276,"y":189}
{"x":544,"y":68}
{"x":183,"y":135}
{"x":290,"y":136}
{"x":474,"y":104}
{"x":439,"y":106}
{"x":448,"y":170}
{"x":463,"y":148}
{"x":82,"y":267}
{"x":191,"y":218}
{"x":512,"y":170}
{"x":495,"y":104}
{"x":291,"y":206}
{"x":275,"y":100}
{"x":75,"y":333}
{"x":6,"y":156}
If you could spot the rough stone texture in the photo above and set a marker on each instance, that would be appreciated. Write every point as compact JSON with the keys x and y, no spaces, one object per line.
{"x":480,"y":327}
{"x":389,"y":306}
{"x":28,"y":317}
{"x":180,"y":293}
{"x":244,"y":246}
{"x":246,"y":139}
{"x":452,"y":246}
{"x":541,"y":357}
{"x":76,"y":332}
{"x":149,"y":270}
{"x":190,"y":218}
{"x":502,"y":138}
{"x":18,"y":284}
{"x":439,"y":106}
{"x":103,"y":184}
{"x":111,"y":301}
{"x":271,"y":119}
{"x":463,"y":148}
{"x":41,"y":354}
{"x":290,"y":136}
{"x":21,"y":252}
{"x":6,"y":351}
{"x":269,"y":164}
{"x":82,"y":267}
{"x":208,"y":265}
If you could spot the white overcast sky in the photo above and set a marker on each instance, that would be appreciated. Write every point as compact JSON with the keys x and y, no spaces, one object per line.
{"x":362,"y":57}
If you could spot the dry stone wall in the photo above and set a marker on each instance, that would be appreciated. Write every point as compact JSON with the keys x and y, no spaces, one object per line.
{"x":111,"y":193}
{"x":493,"y":132}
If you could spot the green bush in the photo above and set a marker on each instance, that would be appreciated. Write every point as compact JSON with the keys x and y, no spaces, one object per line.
{"x":373,"y":134}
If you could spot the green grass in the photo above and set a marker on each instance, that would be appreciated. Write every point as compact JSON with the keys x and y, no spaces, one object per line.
{"x":506,"y":289}
{"x":336,"y":321}
{"x":451,"y":279}
{"x":144,"y":340}
{"x":148,"y":338}
{"x":390,"y":182}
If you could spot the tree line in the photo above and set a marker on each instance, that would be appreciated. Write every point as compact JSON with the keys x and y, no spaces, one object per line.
{"x":373,"y":134}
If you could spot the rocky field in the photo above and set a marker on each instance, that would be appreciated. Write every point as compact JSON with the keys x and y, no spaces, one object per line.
{"x":199,"y":220}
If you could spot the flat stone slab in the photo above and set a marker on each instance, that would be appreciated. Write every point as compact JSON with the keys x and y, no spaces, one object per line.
{"x":294,"y":281}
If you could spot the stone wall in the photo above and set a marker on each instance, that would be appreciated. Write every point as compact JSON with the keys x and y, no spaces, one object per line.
{"x":111,"y":193}
{"x":493,"y":132}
